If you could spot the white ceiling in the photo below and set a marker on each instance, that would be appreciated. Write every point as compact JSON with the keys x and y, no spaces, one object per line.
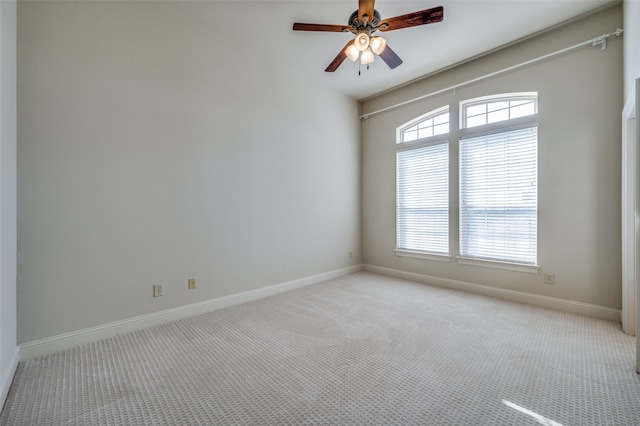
{"x":469,"y":28}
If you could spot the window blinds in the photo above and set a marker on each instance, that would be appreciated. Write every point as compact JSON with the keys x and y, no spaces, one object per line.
{"x":423,"y":199}
{"x":499,"y":197}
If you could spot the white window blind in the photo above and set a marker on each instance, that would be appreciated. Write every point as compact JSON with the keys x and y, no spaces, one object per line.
{"x":499,"y":197}
{"x":423,"y":199}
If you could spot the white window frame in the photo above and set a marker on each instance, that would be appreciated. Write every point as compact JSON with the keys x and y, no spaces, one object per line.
{"x":401,"y":131}
{"x":494,"y":129}
{"x":504,"y":97}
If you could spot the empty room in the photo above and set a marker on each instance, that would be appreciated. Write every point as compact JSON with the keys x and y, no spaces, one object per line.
{"x":319,"y":212}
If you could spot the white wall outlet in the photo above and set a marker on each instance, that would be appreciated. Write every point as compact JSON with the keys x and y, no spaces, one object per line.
{"x":549,"y":278}
{"x":158,"y":290}
{"x":350,"y":255}
{"x":191,"y":283}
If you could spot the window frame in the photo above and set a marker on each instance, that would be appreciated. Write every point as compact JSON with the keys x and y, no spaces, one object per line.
{"x":502,"y":126}
{"x":466,"y":104}
{"x":458,"y":131}
{"x":401,"y":130}
{"x":415,"y":144}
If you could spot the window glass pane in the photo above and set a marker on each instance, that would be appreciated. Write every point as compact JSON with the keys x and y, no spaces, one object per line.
{"x":409,"y":136}
{"x":499,"y":115}
{"x":478,"y":120}
{"x":426,"y":123}
{"x":494,"y":106}
{"x":440,"y":119}
{"x":476,"y":109}
{"x":523,"y":109}
{"x":441,"y":129}
{"x":425,"y":133}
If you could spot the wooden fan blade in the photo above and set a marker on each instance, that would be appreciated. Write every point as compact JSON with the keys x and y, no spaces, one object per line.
{"x":299,"y":26}
{"x":390,"y":57}
{"x":365,"y":7}
{"x":422,"y":17}
{"x":339,"y":59}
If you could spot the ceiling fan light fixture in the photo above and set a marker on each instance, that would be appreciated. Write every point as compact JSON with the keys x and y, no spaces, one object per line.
{"x":366,"y":57}
{"x":378,"y":44}
{"x":363,"y":23}
{"x":352,"y":53}
{"x":362,"y":41}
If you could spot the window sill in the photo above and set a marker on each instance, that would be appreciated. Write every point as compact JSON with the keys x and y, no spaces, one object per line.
{"x":518,"y":267}
{"x":424,"y":256}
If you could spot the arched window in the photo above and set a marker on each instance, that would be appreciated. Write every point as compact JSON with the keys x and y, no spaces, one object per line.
{"x":498,"y":179}
{"x":497,"y":161}
{"x":494,"y":109}
{"x":431,"y":124}
{"x":423,"y":184}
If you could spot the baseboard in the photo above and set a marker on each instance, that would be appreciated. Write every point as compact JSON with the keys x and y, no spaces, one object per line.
{"x":556,"y":303}
{"x":7,"y":376}
{"x":65,"y":341}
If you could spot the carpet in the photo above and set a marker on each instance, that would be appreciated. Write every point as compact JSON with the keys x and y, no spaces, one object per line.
{"x":362,"y":349}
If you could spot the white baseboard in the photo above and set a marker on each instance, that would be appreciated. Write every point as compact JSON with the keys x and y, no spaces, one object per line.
{"x":7,"y":376}
{"x":556,"y":303}
{"x":64,"y":341}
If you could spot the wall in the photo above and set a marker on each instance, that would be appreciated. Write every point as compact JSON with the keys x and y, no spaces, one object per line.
{"x":580,"y":99}
{"x":629,"y":187}
{"x":144,"y":158}
{"x":631,"y":46}
{"x":8,"y":347}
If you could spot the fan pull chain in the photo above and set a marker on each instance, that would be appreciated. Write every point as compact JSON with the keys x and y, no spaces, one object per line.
{"x":360,"y":66}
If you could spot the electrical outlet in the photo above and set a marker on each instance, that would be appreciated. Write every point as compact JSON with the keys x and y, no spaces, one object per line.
{"x":158,"y":290}
{"x":191,"y":283}
{"x":350,"y":255}
{"x":549,"y":278}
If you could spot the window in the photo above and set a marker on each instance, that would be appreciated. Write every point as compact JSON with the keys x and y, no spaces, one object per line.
{"x":477,"y":112}
{"x":498,"y":180}
{"x":423,"y":199}
{"x":423,"y":185}
{"x":432,"y":124}
{"x":498,"y":196}
{"x":497,"y":160}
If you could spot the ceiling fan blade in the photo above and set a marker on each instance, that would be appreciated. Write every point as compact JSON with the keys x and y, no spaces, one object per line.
{"x":422,"y":17}
{"x":365,"y":7}
{"x":299,"y":26}
{"x":390,"y":57}
{"x":339,"y":59}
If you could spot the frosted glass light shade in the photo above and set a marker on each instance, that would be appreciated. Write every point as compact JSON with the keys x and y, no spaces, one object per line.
{"x":378,"y":44}
{"x":366,"y":57}
{"x":352,"y":53}
{"x":362,"y":42}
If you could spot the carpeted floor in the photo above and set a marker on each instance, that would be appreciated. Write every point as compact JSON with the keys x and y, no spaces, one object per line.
{"x":361,"y":349}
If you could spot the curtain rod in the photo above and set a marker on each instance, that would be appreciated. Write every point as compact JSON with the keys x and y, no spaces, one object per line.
{"x":600,"y":40}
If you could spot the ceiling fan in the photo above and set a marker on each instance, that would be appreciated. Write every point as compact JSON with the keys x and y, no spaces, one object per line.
{"x":364,"y":22}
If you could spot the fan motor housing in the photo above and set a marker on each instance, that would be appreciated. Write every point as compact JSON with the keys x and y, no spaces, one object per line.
{"x":369,"y":26}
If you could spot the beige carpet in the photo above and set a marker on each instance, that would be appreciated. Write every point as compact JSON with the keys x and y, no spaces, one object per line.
{"x":362,"y":349}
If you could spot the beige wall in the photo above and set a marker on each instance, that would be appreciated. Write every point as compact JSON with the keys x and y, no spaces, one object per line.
{"x":631,"y":46}
{"x":8,"y":348}
{"x":146,"y":156}
{"x":580,"y":100}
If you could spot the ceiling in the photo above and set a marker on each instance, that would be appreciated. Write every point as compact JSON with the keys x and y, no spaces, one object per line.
{"x":469,"y":28}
